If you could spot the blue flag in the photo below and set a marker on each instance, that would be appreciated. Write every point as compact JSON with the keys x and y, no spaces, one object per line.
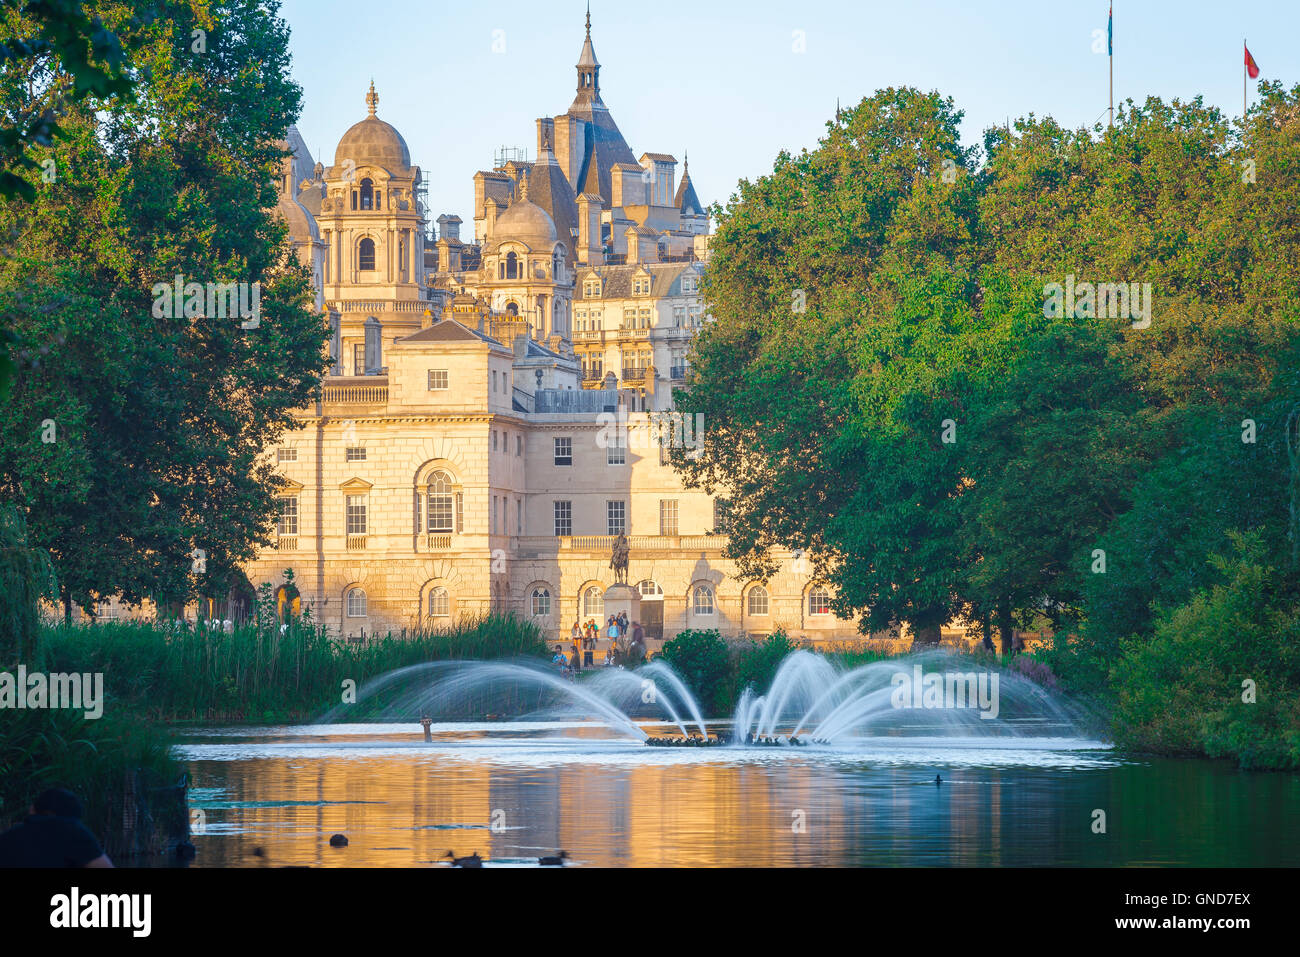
{"x":1110,"y":31}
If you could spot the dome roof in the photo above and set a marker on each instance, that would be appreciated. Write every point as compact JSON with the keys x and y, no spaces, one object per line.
{"x":526,"y":222}
{"x":373,"y":141}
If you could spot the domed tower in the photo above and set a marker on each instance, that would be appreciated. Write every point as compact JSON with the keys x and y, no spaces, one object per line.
{"x":526,"y":267}
{"x":375,"y":232}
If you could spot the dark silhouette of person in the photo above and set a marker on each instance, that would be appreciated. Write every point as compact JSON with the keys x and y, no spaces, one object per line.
{"x":52,"y":836}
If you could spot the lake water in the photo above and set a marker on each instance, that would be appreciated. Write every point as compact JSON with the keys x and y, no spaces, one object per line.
{"x":514,"y":791}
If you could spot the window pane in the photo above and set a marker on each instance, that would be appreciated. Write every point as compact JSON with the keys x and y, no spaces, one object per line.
{"x":288,"y":524}
{"x":356,"y":515}
{"x":616,"y":517}
{"x":564,"y":451}
{"x":667,"y":516}
{"x":564,"y":518}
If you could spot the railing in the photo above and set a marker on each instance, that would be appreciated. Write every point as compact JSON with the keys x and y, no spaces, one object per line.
{"x":286,"y":543}
{"x":439,"y":541}
{"x":678,"y":372}
{"x":603,"y":543}
{"x":356,"y":543}
{"x":634,"y":375}
{"x":356,"y":394}
{"x":625,"y":333}
{"x":589,"y":335}
{"x":382,"y":305}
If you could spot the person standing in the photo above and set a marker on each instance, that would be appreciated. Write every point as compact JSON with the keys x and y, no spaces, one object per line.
{"x":576,"y":661}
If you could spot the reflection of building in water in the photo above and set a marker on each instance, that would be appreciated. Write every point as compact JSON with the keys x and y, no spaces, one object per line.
{"x":462,"y":458}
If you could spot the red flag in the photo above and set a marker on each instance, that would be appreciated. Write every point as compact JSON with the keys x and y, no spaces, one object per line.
{"x":1252,"y":68}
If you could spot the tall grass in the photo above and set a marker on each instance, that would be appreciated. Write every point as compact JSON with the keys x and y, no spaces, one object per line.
{"x":259,"y":674}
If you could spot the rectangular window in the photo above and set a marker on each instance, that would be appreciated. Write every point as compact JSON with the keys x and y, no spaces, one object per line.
{"x":597,"y":320}
{"x":616,"y":518}
{"x":288,"y":524}
{"x":519,"y":516}
{"x":356,"y":514}
{"x":616,"y":451}
{"x":564,"y":451}
{"x":629,"y":318}
{"x":719,"y":515}
{"x":643,"y":316}
{"x":494,"y":440}
{"x":359,"y":359}
{"x":437,"y":379}
{"x":355,"y":454}
{"x":440,"y":512}
{"x":494,"y":514}
{"x":564,"y":518}
{"x":668,"y":516}
{"x":286,"y":455}
{"x":494,"y":380}
{"x":519,"y":445}
{"x":679,"y":316}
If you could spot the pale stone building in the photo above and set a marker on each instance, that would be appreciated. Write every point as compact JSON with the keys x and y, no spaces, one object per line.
{"x":488,"y":426}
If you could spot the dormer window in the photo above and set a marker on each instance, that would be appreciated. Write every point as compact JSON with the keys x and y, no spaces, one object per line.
{"x":641,"y":286}
{"x":689,"y":285}
{"x":591,"y":288}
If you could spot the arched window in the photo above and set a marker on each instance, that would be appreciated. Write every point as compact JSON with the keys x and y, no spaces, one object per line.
{"x":512,"y":308}
{"x":819,"y":601}
{"x":650,"y":589}
{"x":357,"y":603}
{"x":704,"y":599}
{"x":441,"y":503}
{"x":366,"y":255}
{"x":512,"y":266}
{"x":757,"y":601}
{"x":367,"y":194}
{"x":557,"y":265}
{"x":541,"y":602}
{"x":439,"y":603}
{"x":593,"y":603}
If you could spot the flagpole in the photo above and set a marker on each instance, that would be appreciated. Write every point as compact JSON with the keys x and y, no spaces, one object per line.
{"x":1110,"y":59}
{"x":1244,"y":48}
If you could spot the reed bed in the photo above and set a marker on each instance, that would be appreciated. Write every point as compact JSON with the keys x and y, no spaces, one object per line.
{"x":259,"y":674}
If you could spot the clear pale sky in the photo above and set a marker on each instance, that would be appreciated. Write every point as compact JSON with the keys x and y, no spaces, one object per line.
{"x":721,"y":78}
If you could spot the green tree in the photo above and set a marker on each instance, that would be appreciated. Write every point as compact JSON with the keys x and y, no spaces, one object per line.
{"x":160,"y":420}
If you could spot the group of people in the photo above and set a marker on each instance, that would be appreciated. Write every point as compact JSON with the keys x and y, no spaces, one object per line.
{"x":582,"y":649}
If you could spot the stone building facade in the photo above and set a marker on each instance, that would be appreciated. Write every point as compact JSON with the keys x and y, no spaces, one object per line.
{"x":494,"y":412}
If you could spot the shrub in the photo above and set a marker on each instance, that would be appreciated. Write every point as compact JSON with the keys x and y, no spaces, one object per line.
{"x":704,"y":663}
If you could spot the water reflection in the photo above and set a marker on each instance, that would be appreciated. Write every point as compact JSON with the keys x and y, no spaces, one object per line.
{"x":514,"y":791}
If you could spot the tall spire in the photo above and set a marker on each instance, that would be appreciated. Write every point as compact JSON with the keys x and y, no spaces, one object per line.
{"x":372,"y":98}
{"x":588,"y":66}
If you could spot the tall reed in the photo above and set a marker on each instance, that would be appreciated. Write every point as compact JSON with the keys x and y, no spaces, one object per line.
{"x":260,"y":674}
